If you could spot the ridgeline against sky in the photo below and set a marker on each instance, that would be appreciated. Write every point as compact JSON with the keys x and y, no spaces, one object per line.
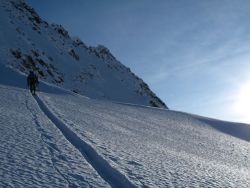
{"x":194,"y":54}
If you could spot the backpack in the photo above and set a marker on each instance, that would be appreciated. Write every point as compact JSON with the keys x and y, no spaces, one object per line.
{"x":32,"y":79}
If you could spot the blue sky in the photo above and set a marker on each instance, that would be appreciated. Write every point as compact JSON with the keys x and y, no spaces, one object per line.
{"x":194,"y":54}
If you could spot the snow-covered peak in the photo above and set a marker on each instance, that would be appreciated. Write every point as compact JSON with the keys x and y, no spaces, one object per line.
{"x":60,"y":29}
{"x":102,"y":50}
{"x":78,"y":42}
{"x":26,"y":9}
{"x":103,"y":53}
{"x":30,"y":43}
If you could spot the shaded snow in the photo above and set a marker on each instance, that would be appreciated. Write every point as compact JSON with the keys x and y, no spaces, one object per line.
{"x":29,"y":43}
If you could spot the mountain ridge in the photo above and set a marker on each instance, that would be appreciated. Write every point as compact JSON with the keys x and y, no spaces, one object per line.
{"x":30,"y":43}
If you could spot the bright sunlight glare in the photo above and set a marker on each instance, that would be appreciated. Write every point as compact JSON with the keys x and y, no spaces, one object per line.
{"x":242,"y":103}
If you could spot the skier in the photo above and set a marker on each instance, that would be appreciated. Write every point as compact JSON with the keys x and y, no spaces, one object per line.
{"x":32,"y":82}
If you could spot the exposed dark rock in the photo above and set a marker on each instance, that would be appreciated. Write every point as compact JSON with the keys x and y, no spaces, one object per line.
{"x":16,"y":53}
{"x":60,"y":29}
{"x":102,"y":52}
{"x":50,"y":58}
{"x":73,"y":54}
{"x":35,"y":53}
{"x":27,"y":9}
{"x":77,"y":42}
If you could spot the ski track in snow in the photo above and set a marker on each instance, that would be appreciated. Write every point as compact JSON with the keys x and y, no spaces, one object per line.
{"x":156,"y":148}
{"x":66,"y":140}
{"x":33,"y":151}
{"x":50,"y":146}
{"x":22,"y":158}
{"x":109,"y":174}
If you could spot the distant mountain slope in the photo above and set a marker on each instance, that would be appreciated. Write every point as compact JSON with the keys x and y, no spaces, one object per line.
{"x":28,"y":42}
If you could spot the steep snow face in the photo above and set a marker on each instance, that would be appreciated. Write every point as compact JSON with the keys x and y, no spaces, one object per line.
{"x":28,"y":42}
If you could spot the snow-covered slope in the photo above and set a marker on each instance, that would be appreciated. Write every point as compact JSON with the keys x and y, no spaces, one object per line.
{"x":33,"y":152}
{"x":28,"y":42}
{"x":62,"y":139}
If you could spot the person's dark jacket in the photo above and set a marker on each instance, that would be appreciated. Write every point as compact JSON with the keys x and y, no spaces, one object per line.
{"x":32,"y":79}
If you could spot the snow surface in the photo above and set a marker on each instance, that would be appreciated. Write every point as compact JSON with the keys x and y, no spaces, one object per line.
{"x":62,"y":139}
{"x":33,"y":152}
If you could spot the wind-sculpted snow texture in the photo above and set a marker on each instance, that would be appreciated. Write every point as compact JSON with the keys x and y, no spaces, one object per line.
{"x":33,"y":152}
{"x":111,"y":175}
{"x":62,"y":139}
{"x":30,"y":43}
{"x":156,"y":148}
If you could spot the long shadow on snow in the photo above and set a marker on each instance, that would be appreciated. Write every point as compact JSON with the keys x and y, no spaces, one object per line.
{"x":238,"y":130}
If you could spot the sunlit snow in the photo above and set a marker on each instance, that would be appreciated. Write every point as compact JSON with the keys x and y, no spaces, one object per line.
{"x":61,"y":139}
